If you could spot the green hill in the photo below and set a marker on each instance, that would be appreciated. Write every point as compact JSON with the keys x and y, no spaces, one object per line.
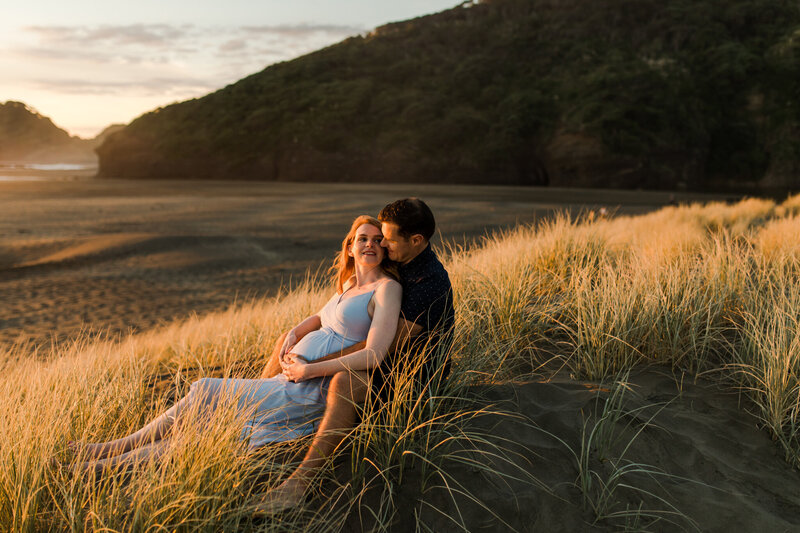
{"x":27,"y":136}
{"x":695,"y":94}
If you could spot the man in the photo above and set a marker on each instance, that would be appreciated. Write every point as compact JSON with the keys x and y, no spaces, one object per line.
{"x":423,"y":333}
{"x":426,"y":312}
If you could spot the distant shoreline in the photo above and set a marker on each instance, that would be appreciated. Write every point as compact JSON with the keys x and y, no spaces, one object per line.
{"x":11,"y":171}
{"x":47,"y":166}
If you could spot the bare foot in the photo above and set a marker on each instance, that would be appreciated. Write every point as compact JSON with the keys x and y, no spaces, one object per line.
{"x":90,"y":450}
{"x":85,"y":469}
{"x":286,"y":496}
{"x":56,"y":462}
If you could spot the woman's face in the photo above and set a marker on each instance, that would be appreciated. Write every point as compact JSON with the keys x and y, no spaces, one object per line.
{"x":366,"y":248}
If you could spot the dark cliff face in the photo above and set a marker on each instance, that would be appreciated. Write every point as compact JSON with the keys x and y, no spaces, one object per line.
{"x":595,"y":93}
{"x":26,"y":136}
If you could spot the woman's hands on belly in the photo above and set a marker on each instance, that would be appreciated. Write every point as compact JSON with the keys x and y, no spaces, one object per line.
{"x":296,"y":368}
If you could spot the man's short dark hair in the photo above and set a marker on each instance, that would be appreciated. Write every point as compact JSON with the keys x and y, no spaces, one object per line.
{"x":412,"y":217}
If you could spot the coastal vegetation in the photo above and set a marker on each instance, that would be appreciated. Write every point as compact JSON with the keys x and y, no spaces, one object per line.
{"x":676,"y":94}
{"x":699,"y":291}
{"x":28,"y":137}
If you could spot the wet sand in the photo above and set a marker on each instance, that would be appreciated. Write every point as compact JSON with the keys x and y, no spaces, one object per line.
{"x":120,"y":255}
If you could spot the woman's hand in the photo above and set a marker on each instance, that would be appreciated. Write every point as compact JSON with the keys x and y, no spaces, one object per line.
{"x":288,"y":343}
{"x":296,"y":368}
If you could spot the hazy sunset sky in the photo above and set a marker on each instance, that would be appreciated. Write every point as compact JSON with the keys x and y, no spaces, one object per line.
{"x":87,"y":64}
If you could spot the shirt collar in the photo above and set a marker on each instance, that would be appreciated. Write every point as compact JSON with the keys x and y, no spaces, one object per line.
{"x":418,"y":263}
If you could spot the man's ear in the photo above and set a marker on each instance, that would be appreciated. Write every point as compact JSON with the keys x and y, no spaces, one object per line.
{"x":417,"y":239}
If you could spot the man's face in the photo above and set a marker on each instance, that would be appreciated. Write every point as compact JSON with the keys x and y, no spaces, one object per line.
{"x":398,"y":247}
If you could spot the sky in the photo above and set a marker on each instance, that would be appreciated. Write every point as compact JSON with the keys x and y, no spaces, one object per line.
{"x":87,"y":64}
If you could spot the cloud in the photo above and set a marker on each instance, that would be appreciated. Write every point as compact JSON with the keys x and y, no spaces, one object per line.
{"x":177,"y":38}
{"x":303,"y":30}
{"x":134,"y":44}
{"x":147,"y":35}
{"x":93,"y":46}
{"x":234,"y":45}
{"x":142,"y":87}
{"x":138,"y":60}
{"x":44,"y":53}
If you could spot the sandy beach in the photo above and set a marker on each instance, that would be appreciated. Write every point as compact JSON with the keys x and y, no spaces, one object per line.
{"x":117,"y":255}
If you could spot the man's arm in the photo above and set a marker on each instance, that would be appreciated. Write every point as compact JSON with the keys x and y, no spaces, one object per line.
{"x":344,"y":351}
{"x":405,"y":331}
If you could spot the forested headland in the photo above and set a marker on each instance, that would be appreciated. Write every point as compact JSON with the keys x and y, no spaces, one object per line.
{"x":667,"y":94}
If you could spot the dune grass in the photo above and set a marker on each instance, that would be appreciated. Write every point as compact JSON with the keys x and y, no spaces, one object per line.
{"x":604,"y":471}
{"x":706,"y":289}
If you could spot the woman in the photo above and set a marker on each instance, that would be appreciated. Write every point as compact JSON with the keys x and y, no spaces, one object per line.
{"x":366,"y":307}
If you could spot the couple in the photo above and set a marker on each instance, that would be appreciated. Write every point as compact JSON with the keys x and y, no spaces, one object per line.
{"x":391,"y":291}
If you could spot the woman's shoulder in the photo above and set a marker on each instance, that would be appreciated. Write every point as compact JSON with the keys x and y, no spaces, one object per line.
{"x":389,"y":285}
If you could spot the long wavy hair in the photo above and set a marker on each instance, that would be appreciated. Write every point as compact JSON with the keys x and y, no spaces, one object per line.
{"x":343,"y":266}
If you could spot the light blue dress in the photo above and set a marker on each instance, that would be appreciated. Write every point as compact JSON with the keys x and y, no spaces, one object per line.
{"x":279,"y":409}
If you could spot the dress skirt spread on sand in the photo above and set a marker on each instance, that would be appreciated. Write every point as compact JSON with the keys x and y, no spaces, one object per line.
{"x":280,"y":409}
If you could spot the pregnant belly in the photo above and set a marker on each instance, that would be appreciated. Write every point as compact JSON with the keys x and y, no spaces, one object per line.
{"x":319,"y":343}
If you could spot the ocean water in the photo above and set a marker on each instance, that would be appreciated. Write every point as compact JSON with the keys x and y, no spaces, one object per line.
{"x":45,"y":171}
{"x":60,"y":166}
{"x":24,"y":178}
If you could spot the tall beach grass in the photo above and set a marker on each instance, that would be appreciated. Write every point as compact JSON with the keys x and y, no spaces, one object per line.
{"x":706,"y":289}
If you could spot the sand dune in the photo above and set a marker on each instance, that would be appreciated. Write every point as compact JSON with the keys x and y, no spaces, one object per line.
{"x":720,"y":470}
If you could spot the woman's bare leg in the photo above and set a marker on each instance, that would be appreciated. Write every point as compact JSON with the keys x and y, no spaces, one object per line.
{"x":140,"y":454}
{"x":273,"y":366}
{"x":152,"y":432}
{"x":346,"y":389}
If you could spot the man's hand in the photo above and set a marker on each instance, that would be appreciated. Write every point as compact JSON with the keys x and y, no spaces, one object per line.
{"x":405,"y":332}
{"x":295,"y":367}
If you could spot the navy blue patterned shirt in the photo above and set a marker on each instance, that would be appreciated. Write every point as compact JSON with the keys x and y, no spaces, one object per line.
{"x":427,"y":302}
{"x":427,"y":293}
